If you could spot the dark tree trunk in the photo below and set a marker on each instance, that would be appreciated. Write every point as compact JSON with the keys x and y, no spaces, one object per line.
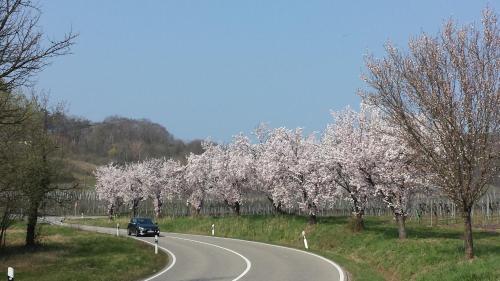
{"x":468,"y":243}
{"x":357,"y":223}
{"x":278,"y":209}
{"x":401,"y":219}
{"x":236,"y":208}
{"x":195,"y":212}
{"x":32,"y":221}
{"x":111,"y":212}
{"x":436,"y":214}
{"x":4,"y":224}
{"x":312,"y":219}
{"x":135,"y":207}
{"x":313,"y":210}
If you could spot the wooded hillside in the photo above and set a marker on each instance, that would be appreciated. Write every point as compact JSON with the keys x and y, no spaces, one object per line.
{"x":115,"y":139}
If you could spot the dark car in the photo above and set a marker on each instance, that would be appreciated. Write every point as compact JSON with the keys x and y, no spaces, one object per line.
{"x":142,"y":226}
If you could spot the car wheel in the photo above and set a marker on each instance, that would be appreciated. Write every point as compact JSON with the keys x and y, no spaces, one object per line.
{"x":128,"y":232}
{"x":136,"y":233}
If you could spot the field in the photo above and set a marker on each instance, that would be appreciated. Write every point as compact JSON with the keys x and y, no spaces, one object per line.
{"x":430,"y":253}
{"x":69,"y":254}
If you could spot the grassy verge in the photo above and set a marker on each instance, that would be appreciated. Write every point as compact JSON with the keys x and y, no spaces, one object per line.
{"x":70,"y":254}
{"x":430,"y":253}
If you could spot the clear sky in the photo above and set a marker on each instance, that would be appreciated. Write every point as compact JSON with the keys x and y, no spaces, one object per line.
{"x":215,"y":68}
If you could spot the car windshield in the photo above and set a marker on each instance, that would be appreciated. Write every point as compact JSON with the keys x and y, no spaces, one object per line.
{"x":144,"y":221}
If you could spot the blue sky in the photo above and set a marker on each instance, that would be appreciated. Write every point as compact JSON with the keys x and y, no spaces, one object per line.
{"x":215,"y":68}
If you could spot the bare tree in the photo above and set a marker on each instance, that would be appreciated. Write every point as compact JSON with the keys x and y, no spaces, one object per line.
{"x":443,"y":96}
{"x":23,"y":52}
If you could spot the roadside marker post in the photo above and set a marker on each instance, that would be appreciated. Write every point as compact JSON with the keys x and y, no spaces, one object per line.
{"x":213,"y":229}
{"x":10,"y":274}
{"x":156,"y":244}
{"x":305,"y":240}
{"x":118,"y":229}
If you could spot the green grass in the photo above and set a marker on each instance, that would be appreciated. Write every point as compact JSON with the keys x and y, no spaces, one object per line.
{"x":70,"y":254}
{"x":429,"y":253}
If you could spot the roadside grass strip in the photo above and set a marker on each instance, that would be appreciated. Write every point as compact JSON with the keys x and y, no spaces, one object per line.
{"x":73,"y":255}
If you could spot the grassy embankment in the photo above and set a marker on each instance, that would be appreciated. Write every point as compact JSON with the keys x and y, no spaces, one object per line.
{"x":430,"y":253}
{"x":70,"y":254}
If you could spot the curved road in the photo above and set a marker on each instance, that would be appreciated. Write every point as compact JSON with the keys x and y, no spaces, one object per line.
{"x":206,"y":258}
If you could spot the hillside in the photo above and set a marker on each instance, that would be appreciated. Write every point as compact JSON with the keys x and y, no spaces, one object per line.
{"x":87,"y":144}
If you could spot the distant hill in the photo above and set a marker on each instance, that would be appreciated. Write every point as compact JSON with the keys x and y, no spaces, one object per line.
{"x":115,"y":139}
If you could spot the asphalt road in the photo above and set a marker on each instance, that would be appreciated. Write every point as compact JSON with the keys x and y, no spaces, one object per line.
{"x":206,"y":258}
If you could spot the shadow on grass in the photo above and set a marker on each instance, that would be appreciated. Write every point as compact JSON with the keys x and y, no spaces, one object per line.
{"x":452,"y":235}
{"x":486,"y":250}
{"x":333,"y":220}
{"x":79,"y":246}
{"x":19,"y":250}
{"x":388,"y":228}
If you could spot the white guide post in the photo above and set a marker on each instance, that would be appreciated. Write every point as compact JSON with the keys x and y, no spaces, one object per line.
{"x":213,"y":229}
{"x":305,"y":240}
{"x":82,"y":215}
{"x":156,"y":244}
{"x":117,"y":229}
{"x":10,"y":274}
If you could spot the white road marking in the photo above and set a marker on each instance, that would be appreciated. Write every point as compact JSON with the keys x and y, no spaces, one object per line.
{"x":337,"y":267}
{"x":96,"y":229}
{"x":247,"y":261}
{"x":174,"y":259}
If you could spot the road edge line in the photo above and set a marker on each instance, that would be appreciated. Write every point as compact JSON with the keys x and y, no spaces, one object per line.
{"x":247,"y":261}
{"x":167,"y":251}
{"x":342,"y":274}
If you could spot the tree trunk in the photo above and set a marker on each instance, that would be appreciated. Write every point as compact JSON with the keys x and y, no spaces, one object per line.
{"x":236,"y":208}
{"x":468,"y":243}
{"x":400,"y":219}
{"x":312,"y":219}
{"x":32,"y":221}
{"x":135,"y":207}
{"x":313,"y":210}
{"x":158,"y":204}
{"x":111,"y":211}
{"x":196,"y":211}
{"x":4,"y":225}
{"x":278,"y":209}
{"x":357,"y":223}
{"x":436,"y":214}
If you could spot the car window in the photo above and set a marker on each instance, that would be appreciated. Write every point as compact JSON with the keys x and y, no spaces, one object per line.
{"x":144,"y":221}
